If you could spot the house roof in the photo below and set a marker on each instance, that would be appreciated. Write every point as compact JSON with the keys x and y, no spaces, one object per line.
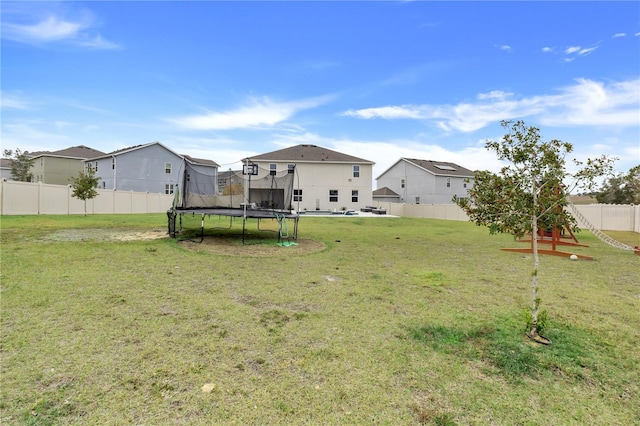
{"x":200,"y":161}
{"x":309,"y":154}
{"x":192,"y":160}
{"x":438,"y":168}
{"x":384,"y":192}
{"x":80,"y":152}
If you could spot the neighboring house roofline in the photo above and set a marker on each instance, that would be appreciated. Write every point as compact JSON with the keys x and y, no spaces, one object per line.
{"x":431,"y":166}
{"x":133,"y":148}
{"x":385,"y":192}
{"x":200,"y":161}
{"x":308,"y":153}
{"x":80,"y":152}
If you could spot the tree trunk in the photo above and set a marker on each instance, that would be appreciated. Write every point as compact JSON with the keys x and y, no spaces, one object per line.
{"x":535,"y":301}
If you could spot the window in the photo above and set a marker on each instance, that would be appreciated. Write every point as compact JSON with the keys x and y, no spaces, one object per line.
{"x":273,"y":168}
{"x":113,"y":163}
{"x":356,"y":171}
{"x":167,"y":168}
{"x":401,"y":183}
{"x":291,"y":167}
{"x":168,"y":188}
{"x":448,"y":182}
{"x":222,"y":182}
{"x":297,"y":195}
{"x":464,"y":185}
{"x":333,"y":195}
{"x":354,"y":196}
{"x":417,"y":200}
{"x":188,"y":177}
{"x":96,"y":167}
{"x":104,"y":185}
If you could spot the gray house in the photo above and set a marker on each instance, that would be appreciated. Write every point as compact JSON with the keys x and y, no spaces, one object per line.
{"x":150,"y":168}
{"x":5,"y":168}
{"x":425,"y":181}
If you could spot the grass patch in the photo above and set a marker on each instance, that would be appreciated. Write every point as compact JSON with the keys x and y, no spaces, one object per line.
{"x":403,"y":321}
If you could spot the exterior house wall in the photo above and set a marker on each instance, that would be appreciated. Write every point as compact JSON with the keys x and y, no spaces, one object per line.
{"x":422,"y":186}
{"x":141,"y":170}
{"x":56,"y":170}
{"x":317,"y":179}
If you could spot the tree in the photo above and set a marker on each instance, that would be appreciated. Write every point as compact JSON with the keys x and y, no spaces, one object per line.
{"x":621,"y":189}
{"x":21,"y":164}
{"x":529,"y":192}
{"x":84,"y":186}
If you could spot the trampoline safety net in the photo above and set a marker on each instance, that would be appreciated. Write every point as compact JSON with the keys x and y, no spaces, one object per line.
{"x":267,"y":190}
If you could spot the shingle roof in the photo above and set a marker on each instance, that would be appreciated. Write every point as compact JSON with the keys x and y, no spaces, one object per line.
{"x":201,"y":161}
{"x":80,"y":152}
{"x":439,"y":168}
{"x":309,"y":153}
{"x":384,"y":191}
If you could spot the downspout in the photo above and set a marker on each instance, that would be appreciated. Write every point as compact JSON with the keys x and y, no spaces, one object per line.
{"x":114,"y":166}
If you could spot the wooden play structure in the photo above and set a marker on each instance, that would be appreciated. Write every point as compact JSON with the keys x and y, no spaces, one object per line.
{"x":563,"y":236}
{"x":553,"y":236}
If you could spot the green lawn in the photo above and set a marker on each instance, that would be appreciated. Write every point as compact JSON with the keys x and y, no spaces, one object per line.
{"x":396,"y":321}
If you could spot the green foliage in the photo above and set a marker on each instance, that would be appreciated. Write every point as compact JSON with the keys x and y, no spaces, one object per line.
{"x":529,"y":193}
{"x":21,"y":164}
{"x":542,"y":322}
{"x":84,"y":186}
{"x":621,"y":189}
{"x":531,"y":189}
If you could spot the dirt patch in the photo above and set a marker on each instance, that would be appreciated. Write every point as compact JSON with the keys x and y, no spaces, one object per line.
{"x":104,"y":235}
{"x":262,"y":248}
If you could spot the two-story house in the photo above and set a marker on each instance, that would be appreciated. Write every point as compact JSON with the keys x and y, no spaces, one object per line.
{"x":425,"y":181}
{"x":58,"y":167}
{"x":150,"y":167}
{"x":324,"y":179}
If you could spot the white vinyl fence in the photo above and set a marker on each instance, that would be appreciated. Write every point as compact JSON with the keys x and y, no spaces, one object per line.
{"x":605,"y":217}
{"x":25,"y":198}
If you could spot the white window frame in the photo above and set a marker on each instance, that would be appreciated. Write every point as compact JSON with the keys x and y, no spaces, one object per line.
{"x":356,"y":171}
{"x":333,"y":196}
{"x":167,"y":168}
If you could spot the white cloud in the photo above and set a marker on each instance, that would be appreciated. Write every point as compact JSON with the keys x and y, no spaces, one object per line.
{"x":53,"y":27}
{"x":386,"y":112}
{"x":258,"y":113}
{"x":547,"y":49}
{"x":49,"y":29}
{"x":505,"y":47}
{"x":13,"y":102}
{"x":586,"y":103}
{"x":586,"y":51}
{"x":619,"y":35}
{"x":572,"y":49}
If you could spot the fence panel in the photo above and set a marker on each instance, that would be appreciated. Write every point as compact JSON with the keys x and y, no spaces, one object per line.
{"x":603,"y":216}
{"x":18,"y":198}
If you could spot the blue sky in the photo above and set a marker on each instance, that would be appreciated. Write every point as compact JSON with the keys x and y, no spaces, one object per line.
{"x":378,"y":80}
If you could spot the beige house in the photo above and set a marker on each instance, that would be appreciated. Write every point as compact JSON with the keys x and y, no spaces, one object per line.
{"x":325,"y":180}
{"x":58,"y":167}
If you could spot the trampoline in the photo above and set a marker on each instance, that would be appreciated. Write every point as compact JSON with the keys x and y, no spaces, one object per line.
{"x":252,"y":193}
